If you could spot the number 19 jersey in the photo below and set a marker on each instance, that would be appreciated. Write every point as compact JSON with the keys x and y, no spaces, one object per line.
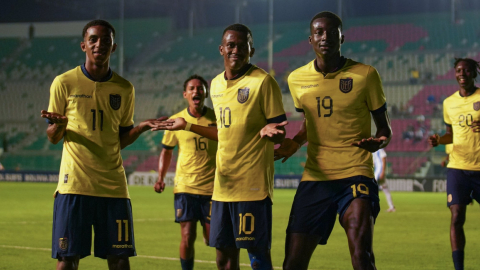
{"x":459,"y":112}
{"x":337,"y":109}
{"x":243,"y":106}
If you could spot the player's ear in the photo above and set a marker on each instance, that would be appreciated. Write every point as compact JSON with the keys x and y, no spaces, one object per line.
{"x":220,"y":49}
{"x":82,"y":46}
{"x":342,"y":39}
{"x":309,"y":39}
{"x":252,"y":51}
{"x":114,"y":47}
{"x":184,"y":94}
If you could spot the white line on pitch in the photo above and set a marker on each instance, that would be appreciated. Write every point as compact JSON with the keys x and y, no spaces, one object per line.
{"x":140,"y":256}
{"x":134,"y":220}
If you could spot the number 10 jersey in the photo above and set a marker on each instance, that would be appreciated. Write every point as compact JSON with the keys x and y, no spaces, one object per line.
{"x":243,"y":106}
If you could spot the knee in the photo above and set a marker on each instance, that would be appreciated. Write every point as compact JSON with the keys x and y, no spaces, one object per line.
{"x":69,"y":262}
{"x":458,"y":218}
{"x":289,"y":264}
{"x":189,"y":238}
{"x":118,"y":262}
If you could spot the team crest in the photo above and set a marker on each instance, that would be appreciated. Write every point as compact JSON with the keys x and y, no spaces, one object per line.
{"x":346,"y":85}
{"x":63,"y":243}
{"x":115,"y":101}
{"x":243,"y":95}
{"x":476,"y":106}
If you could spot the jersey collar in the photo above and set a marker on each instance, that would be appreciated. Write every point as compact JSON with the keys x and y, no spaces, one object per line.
{"x":104,"y":79}
{"x":343,"y":61}
{"x":240,"y":74}
{"x":203,"y":112}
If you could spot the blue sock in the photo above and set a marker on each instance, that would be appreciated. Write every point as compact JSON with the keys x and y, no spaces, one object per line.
{"x":259,"y":263}
{"x":458,"y":257}
{"x":186,"y":264}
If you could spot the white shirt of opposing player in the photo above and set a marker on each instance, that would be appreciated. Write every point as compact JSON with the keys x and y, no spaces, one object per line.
{"x":378,"y":162}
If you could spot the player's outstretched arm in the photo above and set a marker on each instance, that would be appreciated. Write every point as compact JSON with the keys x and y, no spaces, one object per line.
{"x":446,"y":138}
{"x":180,"y":124}
{"x":57,"y":125}
{"x":382,"y":137}
{"x":290,"y":146}
{"x":132,"y":135}
{"x":275,"y":132}
{"x":163,"y":164}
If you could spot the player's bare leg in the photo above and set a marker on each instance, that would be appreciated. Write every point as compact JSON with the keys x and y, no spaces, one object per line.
{"x":228,"y":258}
{"x":299,"y":248}
{"x":206,"y":233}
{"x":457,"y":234}
{"x":187,"y":244}
{"x":358,"y":224}
{"x":118,"y":262}
{"x":68,"y":263}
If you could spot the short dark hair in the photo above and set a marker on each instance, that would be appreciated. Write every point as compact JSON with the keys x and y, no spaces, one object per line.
{"x":98,"y":22}
{"x":242,"y":29}
{"x":473,"y":64}
{"x":330,"y":15}
{"x":193,"y":77}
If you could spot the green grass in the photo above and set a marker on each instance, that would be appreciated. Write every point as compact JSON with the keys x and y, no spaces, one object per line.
{"x":415,"y":237}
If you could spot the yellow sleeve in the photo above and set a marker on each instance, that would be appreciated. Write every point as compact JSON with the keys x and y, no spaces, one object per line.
{"x":271,"y":98}
{"x":127,"y":118}
{"x":446,"y":118}
{"x":375,"y":95}
{"x":170,"y":139}
{"x":58,"y":97}
{"x":293,"y":92}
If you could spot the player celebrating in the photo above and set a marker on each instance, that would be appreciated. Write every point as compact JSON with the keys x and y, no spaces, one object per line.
{"x":337,"y":96}
{"x":461,"y":113}
{"x":380,"y":166}
{"x":248,"y":106}
{"x":91,"y":108}
{"x":195,"y":169}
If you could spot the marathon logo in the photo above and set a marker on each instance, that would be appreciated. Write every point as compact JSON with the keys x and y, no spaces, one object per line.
{"x":122,"y":246}
{"x":80,"y":96}
{"x":308,"y":86}
{"x":246,"y":238}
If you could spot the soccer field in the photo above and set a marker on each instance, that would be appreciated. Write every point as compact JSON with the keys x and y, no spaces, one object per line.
{"x":415,"y":237}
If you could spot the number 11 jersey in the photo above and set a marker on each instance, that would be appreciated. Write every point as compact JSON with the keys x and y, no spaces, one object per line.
{"x":337,"y":109}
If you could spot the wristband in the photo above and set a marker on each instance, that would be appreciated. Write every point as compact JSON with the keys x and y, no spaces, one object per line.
{"x":187,"y":127}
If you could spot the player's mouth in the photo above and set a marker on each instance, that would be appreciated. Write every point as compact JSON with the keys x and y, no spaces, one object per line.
{"x":197,"y":99}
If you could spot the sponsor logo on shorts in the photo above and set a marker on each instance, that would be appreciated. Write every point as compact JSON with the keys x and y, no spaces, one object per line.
{"x":449,"y":198}
{"x":246,"y":238}
{"x":63,"y":243}
{"x":179,"y":212}
{"x":122,"y":246}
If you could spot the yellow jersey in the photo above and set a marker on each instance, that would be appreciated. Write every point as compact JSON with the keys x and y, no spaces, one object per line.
{"x":243,"y":106}
{"x":196,"y":155}
{"x":459,"y":112}
{"x":337,"y":110}
{"x":96,"y":110}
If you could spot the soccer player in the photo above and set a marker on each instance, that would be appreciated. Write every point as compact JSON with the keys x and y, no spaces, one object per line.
{"x":461,"y":113}
{"x":380,"y":166}
{"x":337,"y":96}
{"x":195,"y":169}
{"x":250,"y":119}
{"x":91,"y":109}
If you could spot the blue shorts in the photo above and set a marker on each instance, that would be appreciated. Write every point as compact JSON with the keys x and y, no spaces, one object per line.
{"x":317,"y":203}
{"x":462,"y":186}
{"x":190,"y":207}
{"x":73,"y":218}
{"x":241,"y":224}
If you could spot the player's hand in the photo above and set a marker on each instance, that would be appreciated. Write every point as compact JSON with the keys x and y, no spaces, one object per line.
{"x":273,"y":129}
{"x":152,"y":123}
{"x":434,"y":140}
{"x":475,"y":126}
{"x":171,"y":124}
{"x":159,"y":186}
{"x":371,"y":144}
{"x":58,"y":119}
{"x":286,"y":150}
